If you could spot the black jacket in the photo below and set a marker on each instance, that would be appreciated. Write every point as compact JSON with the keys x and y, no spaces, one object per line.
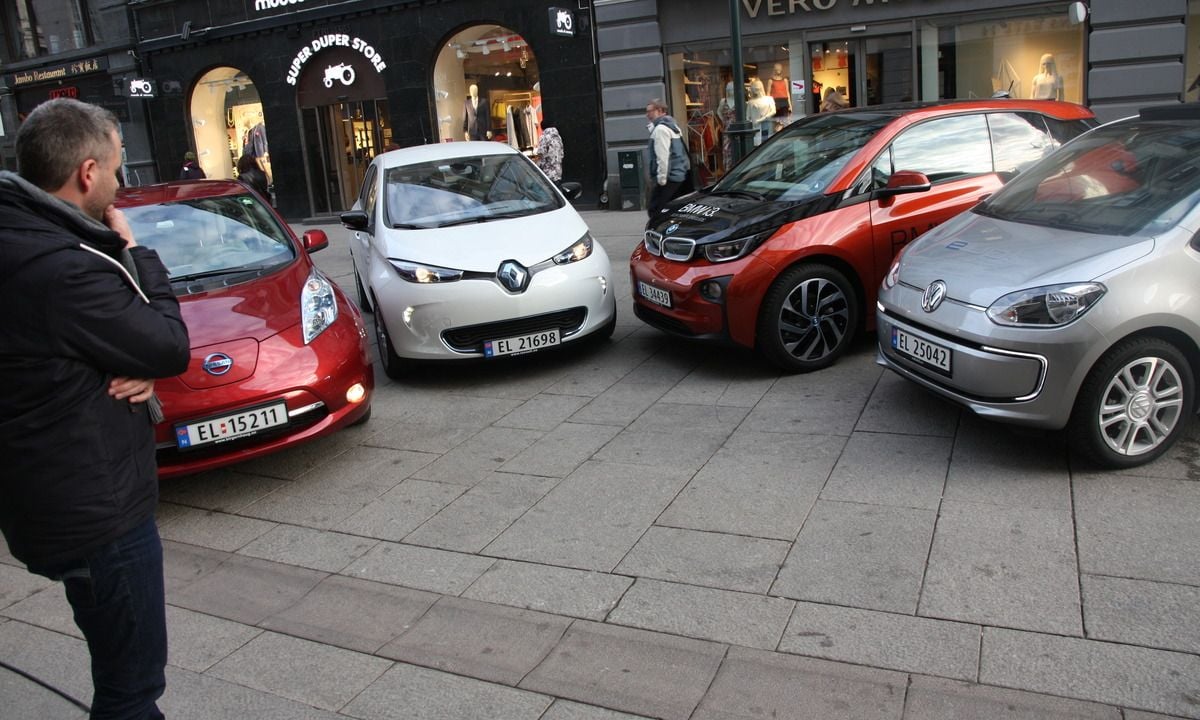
{"x":77,"y":468}
{"x":256,"y":180}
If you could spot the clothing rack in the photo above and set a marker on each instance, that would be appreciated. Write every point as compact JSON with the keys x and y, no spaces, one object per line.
{"x":513,"y":113}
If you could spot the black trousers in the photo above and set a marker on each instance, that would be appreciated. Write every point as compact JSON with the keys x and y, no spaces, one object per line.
{"x":660,"y":195}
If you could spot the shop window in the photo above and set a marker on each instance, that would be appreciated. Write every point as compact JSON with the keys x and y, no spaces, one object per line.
{"x":487,"y":87}
{"x":1192,"y":57}
{"x":1030,"y":57}
{"x":703,"y":101}
{"x":227,"y":122}
{"x":46,"y":27}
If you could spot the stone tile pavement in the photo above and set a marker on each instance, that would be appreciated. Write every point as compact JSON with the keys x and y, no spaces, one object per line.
{"x":653,"y":528}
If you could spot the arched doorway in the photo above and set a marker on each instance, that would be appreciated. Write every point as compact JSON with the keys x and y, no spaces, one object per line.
{"x":227,"y":122}
{"x":501,"y":66}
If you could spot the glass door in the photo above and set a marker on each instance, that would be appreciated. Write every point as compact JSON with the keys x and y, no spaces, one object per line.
{"x":350,"y":135}
{"x":860,"y":72}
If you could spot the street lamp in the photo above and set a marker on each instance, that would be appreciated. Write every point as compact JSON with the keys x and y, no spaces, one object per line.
{"x":740,"y":130}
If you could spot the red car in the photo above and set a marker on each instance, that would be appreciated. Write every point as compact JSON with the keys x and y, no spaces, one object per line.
{"x":785,"y":254}
{"x":279,"y":354}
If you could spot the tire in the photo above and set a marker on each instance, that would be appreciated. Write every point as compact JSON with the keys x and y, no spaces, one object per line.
{"x":364,"y":303}
{"x":605,"y":332}
{"x":809,"y":317}
{"x":1133,"y":405}
{"x":393,"y":365}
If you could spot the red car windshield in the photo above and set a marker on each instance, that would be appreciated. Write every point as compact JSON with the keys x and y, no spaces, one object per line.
{"x":211,"y":236}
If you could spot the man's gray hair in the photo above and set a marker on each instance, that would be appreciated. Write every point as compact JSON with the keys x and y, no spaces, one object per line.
{"x":659,"y":105}
{"x":58,"y":136}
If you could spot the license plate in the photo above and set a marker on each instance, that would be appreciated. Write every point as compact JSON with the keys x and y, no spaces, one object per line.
{"x":928,"y":354}
{"x":224,"y":428}
{"x":658,"y":296}
{"x":521,"y":343}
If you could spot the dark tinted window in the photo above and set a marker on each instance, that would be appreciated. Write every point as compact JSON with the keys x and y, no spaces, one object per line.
{"x":1018,"y":140}
{"x":945,"y":148}
{"x":1065,"y":130}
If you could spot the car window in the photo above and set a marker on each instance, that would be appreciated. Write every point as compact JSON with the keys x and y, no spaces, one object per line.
{"x":467,"y":189}
{"x":368,"y":186}
{"x":944,"y":148}
{"x":1125,"y":179}
{"x":371,"y":186}
{"x":1018,"y":140}
{"x":1064,"y":131}
{"x":803,"y":159}
{"x":211,"y":235}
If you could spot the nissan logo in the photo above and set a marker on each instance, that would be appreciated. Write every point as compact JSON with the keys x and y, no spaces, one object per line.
{"x":217,"y":364}
{"x":934,"y":295}
{"x":513,"y":276}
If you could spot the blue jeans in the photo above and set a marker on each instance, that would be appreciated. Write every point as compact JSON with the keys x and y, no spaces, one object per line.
{"x":116,"y":592}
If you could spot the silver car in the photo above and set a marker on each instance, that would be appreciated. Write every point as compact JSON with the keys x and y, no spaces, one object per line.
{"x":1071,"y":297}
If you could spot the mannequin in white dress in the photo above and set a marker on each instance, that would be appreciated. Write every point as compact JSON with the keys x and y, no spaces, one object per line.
{"x":1047,"y":84}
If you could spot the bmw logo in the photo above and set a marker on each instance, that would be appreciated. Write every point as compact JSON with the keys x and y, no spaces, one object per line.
{"x":671,"y":228}
{"x":217,"y":364}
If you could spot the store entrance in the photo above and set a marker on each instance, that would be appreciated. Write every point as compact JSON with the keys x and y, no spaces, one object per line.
{"x":862,"y":71}
{"x":341,"y":140}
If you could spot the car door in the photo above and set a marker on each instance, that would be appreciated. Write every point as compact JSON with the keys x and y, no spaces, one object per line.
{"x":955,"y":153}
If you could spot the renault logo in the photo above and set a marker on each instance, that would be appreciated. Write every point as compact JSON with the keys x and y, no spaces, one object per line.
{"x":217,"y":364}
{"x":934,"y":295}
{"x":513,"y":276}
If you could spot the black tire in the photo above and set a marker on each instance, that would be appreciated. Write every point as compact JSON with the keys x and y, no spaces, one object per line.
{"x":393,"y":365}
{"x":364,"y":302}
{"x":606,"y":332}
{"x":808,"y":318}
{"x":1133,"y":405}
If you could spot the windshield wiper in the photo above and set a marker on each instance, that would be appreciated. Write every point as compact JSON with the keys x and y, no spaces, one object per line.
{"x":216,"y":273}
{"x":409,"y":226}
{"x":463,"y":221}
{"x":738,"y":193}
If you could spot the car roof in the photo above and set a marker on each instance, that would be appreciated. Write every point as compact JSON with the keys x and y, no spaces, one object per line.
{"x":178,"y":190}
{"x":443,"y":151}
{"x":922,"y":109}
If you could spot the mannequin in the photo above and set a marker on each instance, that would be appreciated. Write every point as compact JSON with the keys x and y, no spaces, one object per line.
{"x":474,"y":127}
{"x":780,"y":91}
{"x":727,"y":111}
{"x":833,"y":100}
{"x":759,"y":110}
{"x":1047,"y":84}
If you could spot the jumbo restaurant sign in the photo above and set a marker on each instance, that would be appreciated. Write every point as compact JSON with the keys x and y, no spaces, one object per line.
{"x":775,"y":8}
{"x":59,"y":72}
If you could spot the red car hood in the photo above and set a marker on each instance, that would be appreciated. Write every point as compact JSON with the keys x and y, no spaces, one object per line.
{"x":233,"y":320}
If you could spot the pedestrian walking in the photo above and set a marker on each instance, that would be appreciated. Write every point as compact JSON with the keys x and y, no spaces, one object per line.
{"x":252,"y":176}
{"x":669,"y":164}
{"x":98,"y":323}
{"x":549,"y":153}
{"x":190,"y":170}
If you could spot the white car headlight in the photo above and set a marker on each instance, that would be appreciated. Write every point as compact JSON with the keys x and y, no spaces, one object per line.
{"x":727,"y":250}
{"x":418,"y":273}
{"x":580,"y":250}
{"x":1048,"y":306}
{"x":318,"y":306}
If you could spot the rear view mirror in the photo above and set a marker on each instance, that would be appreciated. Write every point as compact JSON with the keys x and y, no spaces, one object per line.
{"x":571,"y":190}
{"x":355,"y":219}
{"x":315,"y":240}
{"x":903,"y":182}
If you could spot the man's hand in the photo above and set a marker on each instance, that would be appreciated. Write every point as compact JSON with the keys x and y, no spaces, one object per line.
{"x":135,"y":390}
{"x":115,"y":219}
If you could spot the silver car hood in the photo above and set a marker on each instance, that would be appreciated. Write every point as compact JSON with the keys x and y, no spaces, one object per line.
{"x":982,"y":258}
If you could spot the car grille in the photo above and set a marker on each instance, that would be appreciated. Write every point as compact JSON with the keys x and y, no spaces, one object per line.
{"x":675,"y":248}
{"x":470,"y":338}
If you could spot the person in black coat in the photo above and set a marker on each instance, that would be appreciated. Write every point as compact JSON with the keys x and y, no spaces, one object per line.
{"x":97,"y":323}
{"x":190,"y":170}
{"x":252,"y":176}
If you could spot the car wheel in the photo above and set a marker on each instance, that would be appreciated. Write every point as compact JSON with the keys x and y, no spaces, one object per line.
{"x":393,"y":364}
{"x":606,"y":331}
{"x":808,"y":318}
{"x":1133,"y":404}
{"x":364,"y":303}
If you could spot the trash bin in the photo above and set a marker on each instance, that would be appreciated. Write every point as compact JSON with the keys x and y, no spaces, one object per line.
{"x":633,"y":184}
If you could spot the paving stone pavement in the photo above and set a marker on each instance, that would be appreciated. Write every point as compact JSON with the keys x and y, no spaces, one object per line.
{"x":649,"y":528}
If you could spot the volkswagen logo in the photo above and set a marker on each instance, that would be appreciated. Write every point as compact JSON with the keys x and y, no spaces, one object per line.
{"x":217,"y":364}
{"x":513,"y":276}
{"x":934,"y":295}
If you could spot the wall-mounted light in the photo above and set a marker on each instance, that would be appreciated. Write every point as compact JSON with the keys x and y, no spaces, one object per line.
{"x":1077,"y":12}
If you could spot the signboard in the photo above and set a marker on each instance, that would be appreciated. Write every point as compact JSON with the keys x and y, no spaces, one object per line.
{"x":138,"y":87}
{"x":59,"y":72}
{"x":562,"y":22}
{"x":69,"y":91}
{"x":344,"y":75}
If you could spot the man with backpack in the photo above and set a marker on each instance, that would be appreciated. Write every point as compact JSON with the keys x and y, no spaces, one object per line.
{"x":669,"y":164}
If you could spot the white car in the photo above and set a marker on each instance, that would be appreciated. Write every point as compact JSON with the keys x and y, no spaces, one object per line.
{"x":466,"y":250}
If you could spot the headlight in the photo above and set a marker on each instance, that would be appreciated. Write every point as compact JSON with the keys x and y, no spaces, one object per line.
{"x":318,"y":306}
{"x":893,"y":275}
{"x":580,"y":250}
{"x":418,"y":273}
{"x":733,"y":249}
{"x":1046,"y":306}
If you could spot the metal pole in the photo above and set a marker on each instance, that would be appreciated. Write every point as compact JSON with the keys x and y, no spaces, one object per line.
{"x":739,"y":129}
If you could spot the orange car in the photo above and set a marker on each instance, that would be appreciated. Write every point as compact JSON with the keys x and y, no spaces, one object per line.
{"x":786,"y":252}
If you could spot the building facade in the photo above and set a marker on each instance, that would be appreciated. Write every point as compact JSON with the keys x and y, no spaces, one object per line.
{"x":1113,"y":55}
{"x":314,"y":89}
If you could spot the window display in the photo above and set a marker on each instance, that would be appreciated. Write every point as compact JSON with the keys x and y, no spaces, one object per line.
{"x":228,"y":122}
{"x":486,"y":87}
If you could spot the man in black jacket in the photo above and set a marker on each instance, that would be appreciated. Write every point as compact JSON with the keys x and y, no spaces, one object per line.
{"x":93,"y":321}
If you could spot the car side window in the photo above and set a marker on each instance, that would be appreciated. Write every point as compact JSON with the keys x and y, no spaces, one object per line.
{"x":1065,"y":130}
{"x":945,"y":148}
{"x":1018,"y":140}
{"x":371,"y":188}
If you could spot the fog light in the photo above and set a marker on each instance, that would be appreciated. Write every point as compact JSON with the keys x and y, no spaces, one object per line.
{"x":712,"y":290}
{"x":603,"y":285}
{"x":356,"y":393}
